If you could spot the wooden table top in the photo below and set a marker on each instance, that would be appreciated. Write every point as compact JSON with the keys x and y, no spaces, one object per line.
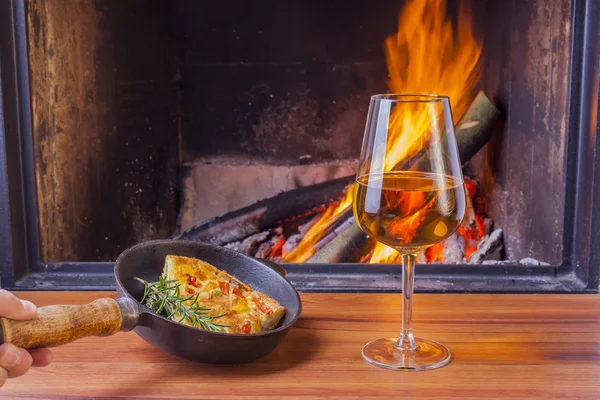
{"x":503,"y":346}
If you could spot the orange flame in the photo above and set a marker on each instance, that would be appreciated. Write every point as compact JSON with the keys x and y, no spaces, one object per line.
{"x":304,"y":250}
{"x":405,"y":228}
{"x":427,"y":55}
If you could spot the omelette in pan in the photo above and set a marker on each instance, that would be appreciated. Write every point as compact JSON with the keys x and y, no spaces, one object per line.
{"x":241,"y":309}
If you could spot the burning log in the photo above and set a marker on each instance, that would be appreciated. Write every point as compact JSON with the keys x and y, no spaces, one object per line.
{"x":266,"y":244}
{"x":342,"y":221}
{"x":249,"y":245}
{"x":474,"y":129}
{"x":348,"y":243}
{"x":272,"y":247}
{"x":261,"y":216}
{"x":293,"y":241}
{"x":472,"y":133}
{"x":489,"y":248}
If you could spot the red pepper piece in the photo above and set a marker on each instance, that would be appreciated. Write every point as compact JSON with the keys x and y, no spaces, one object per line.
{"x":246,"y":327}
{"x":192,"y":280}
{"x":224,"y":287}
{"x":264,"y":308}
{"x":237,"y":292}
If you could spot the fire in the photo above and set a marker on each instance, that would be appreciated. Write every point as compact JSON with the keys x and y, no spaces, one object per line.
{"x":305,"y":250}
{"x":408,"y":201}
{"x":405,"y":229}
{"x":413,"y":205}
{"x":427,"y":55}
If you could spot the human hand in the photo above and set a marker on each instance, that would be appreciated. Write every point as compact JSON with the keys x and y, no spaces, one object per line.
{"x":14,"y":361}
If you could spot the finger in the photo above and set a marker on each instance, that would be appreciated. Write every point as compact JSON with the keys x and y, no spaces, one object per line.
{"x":14,"y":360}
{"x":3,"y":376}
{"x":41,"y":357}
{"x":14,"y":308}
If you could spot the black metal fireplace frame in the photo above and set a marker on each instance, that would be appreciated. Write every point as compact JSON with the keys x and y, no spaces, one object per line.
{"x":22,"y":269}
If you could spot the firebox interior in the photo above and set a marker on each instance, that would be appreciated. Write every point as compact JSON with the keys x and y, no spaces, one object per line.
{"x":142,"y":109}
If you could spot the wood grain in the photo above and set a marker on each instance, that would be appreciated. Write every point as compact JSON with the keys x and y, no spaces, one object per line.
{"x":60,"y":324}
{"x":503,"y":346}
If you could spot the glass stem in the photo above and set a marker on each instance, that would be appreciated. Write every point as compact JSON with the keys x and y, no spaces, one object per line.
{"x":407,"y":340}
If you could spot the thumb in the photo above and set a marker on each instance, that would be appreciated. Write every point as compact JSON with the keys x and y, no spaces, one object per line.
{"x":14,"y":308}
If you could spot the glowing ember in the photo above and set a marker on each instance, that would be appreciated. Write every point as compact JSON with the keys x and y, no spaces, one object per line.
{"x":472,"y":235}
{"x":472,"y":229}
{"x":435,"y":253}
{"x":427,"y":55}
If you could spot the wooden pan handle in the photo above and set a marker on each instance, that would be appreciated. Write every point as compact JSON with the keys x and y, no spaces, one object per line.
{"x":56,"y":325}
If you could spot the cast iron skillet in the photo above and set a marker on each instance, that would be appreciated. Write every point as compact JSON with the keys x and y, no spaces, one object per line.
{"x":57,"y":325}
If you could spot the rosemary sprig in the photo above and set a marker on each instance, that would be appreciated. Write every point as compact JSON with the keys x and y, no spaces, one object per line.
{"x":163,"y":297}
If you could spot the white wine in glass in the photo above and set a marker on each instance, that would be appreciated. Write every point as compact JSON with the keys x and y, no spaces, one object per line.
{"x":410,"y":199}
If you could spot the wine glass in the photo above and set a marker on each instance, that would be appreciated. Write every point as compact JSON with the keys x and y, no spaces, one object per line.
{"x":409,"y":195}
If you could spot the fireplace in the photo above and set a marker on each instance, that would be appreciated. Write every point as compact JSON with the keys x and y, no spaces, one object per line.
{"x":240,"y":125}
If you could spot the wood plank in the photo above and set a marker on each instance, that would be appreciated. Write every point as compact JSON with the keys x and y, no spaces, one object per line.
{"x":503,"y":346}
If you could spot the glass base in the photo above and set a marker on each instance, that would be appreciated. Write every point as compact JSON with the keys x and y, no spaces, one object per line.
{"x":427,"y":355}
